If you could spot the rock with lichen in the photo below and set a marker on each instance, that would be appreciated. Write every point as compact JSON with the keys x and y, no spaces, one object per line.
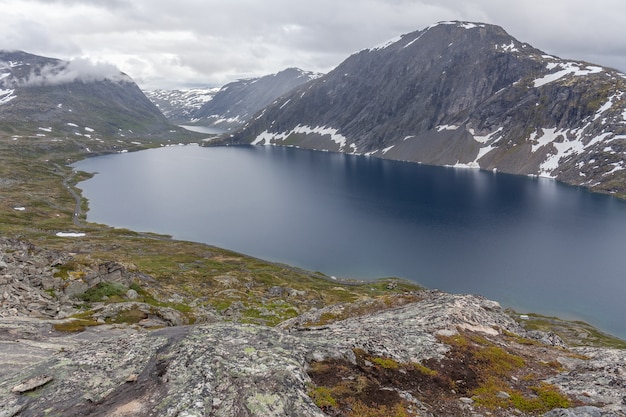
{"x":232,"y":369}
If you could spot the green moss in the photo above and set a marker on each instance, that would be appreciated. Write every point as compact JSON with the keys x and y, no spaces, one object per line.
{"x":131,"y":316}
{"x":487,"y":394}
{"x":359,"y":409}
{"x":547,"y":398}
{"x":498,"y":361}
{"x":424,"y":369}
{"x":322,"y":397}
{"x":77,"y":325}
{"x":71,"y":269}
{"x":386,"y":363}
{"x":104,"y":289}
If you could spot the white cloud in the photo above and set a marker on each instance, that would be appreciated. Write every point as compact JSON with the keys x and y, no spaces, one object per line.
{"x":79,"y":69}
{"x":162,"y":43}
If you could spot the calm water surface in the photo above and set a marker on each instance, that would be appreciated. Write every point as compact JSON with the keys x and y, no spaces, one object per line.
{"x":532,"y":244}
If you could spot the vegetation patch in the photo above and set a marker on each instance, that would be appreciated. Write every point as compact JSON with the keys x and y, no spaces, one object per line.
{"x":130,"y":316}
{"x":69,"y":270}
{"x":574,"y":333}
{"x":110,"y":291}
{"x":500,"y":380}
{"x":373,"y":386}
{"x":74,"y":326}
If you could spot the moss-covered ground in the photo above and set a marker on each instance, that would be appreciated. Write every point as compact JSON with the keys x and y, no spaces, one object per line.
{"x":496,"y":375}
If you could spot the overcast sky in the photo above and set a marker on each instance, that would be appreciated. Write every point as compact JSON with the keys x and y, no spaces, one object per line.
{"x":187,"y":43}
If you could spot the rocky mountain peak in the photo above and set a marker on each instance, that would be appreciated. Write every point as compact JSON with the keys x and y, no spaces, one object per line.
{"x":462,"y":94}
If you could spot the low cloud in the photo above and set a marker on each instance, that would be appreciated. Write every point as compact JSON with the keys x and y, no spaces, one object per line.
{"x":80,"y":69}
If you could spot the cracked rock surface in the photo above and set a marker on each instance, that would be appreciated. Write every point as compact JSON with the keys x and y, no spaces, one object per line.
{"x":230,"y":369}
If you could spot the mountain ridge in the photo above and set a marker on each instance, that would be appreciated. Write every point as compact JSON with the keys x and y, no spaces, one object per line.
{"x":42,"y":96}
{"x":236,"y":102}
{"x":461,"y":94}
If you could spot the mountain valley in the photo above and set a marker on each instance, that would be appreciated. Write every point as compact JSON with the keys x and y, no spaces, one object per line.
{"x":97,"y":320}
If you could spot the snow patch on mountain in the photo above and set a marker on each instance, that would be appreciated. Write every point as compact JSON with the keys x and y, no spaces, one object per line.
{"x":181,"y":104}
{"x":6,"y":95}
{"x":464,"y":25}
{"x":270,"y":138}
{"x":564,"y":144}
{"x":385,"y":44}
{"x":446,"y":127}
{"x":566,"y":68}
{"x":487,"y":138}
{"x":608,"y":105}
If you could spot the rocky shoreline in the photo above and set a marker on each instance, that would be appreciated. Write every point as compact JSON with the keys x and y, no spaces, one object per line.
{"x":166,"y":367}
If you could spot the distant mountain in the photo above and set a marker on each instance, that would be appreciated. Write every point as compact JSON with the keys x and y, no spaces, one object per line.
{"x":180,"y":106}
{"x":42,"y":96}
{"x":466,"y":95}
{"x":237,"y":102}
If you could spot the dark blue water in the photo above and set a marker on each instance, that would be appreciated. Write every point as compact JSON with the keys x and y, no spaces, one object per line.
{"x":531,"y":244}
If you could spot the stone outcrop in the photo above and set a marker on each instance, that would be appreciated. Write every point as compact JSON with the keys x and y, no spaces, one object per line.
{"x":27,"y":282}
{"x":32,"y":282}
{"x":230,"y":369}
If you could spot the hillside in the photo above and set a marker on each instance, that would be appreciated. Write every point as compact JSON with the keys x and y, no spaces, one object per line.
{"x":466,"y":95}
{"x":46,"y":97}
{"x":407,"y":352}
{"x":236,"y":102}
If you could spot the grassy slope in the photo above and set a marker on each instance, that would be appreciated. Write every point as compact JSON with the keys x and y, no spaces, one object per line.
{"x":190,"y":274}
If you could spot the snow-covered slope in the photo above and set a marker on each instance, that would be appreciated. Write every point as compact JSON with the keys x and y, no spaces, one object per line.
{"x":180,"y":106}
{"x":467,"y":95}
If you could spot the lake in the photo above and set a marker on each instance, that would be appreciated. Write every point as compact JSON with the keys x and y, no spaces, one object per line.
{"x":532,"y":244}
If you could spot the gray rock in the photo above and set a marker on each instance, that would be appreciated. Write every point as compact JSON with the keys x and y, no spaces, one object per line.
{"x":547,"y":338}
{"x":586,"y":411}
{"x":75,"y":288}
{"x":32,"y":384}
{"x":131,"y":294}
{"x":597,"y":377}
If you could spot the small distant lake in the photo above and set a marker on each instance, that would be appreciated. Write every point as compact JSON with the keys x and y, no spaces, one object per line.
{"x":204,"y":129}
{"x":532,"y":244}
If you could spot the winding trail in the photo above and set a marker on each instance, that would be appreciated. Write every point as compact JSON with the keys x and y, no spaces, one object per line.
{"x":77,"y":199}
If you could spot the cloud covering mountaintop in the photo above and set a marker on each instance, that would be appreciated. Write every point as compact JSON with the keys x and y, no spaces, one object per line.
{"x":163,"y":44}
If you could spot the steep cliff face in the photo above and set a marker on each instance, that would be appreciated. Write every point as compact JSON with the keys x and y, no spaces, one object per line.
{"x":462,"y":94}
{"x":45,"y":96}
{"x":237,"y":102}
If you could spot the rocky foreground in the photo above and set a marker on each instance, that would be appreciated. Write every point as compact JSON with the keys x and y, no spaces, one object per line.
{"x":438,"y":355}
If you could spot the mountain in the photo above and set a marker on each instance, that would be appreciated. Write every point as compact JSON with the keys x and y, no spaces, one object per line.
{"x":466,"y":95}
{"x":237,"y":102}
{"x":42,"y":96}
{"x":180,"y":106}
